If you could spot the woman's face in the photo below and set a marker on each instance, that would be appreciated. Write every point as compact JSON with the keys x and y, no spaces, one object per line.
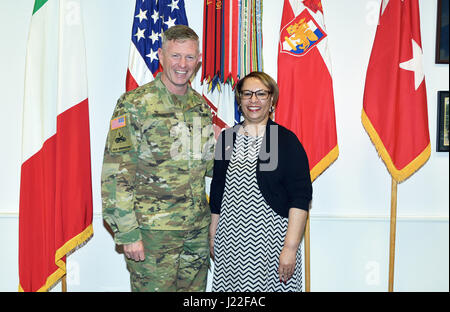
{"x":256,"y":101}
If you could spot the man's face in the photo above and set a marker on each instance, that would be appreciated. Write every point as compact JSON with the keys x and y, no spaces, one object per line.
{"x":179,"y":60}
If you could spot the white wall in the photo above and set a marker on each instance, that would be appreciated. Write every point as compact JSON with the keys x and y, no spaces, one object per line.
{"x":351,"y":205}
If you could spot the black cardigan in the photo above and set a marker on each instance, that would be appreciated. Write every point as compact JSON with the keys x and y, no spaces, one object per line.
{"x":282,"y":170}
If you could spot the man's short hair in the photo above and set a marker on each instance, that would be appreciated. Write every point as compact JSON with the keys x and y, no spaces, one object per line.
{"x":179,"y":32}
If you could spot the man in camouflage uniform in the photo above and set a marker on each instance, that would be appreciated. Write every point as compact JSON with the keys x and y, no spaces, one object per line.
{"x":158,"y":151}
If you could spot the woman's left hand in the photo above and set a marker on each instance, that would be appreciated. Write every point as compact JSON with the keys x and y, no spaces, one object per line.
{"x":287,"y":263}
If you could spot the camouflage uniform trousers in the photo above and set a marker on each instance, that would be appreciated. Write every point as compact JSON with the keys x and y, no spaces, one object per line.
{"x":174,"y":261}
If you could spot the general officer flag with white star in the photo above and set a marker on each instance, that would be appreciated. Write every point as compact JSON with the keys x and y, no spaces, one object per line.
{"x":151,"y":19}
{"x":395,"y":100}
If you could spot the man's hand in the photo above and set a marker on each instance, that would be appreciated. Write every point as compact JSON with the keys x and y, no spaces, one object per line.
{"x":211,"y":248}
{"x":134,"y":251}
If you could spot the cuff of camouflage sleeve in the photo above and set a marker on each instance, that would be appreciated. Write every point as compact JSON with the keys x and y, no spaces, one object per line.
{"x":128,"y":237}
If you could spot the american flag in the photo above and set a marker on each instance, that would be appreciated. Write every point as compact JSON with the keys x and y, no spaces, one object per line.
{"x":118,"y":122}
{"x":151,"y":19}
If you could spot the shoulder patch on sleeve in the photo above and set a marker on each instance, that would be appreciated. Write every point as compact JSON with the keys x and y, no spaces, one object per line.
{"x":119,"y":122}
{"x":120,"y":135}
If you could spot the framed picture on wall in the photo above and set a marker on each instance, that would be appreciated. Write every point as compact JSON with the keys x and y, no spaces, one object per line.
{"x":442,"y":143}
{"x":442,"y":33}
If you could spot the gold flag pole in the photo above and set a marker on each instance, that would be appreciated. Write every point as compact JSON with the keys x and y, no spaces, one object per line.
{"x":392,"y":234}
{"x":307,"y":253}
{"x":64,"y":283}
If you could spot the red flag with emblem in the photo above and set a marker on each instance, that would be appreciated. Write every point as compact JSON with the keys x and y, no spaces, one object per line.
{"x":306,"y":102}
{"x":395,"y":105}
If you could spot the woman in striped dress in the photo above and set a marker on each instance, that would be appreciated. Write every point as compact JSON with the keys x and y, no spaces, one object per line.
{"x":259,"y":198}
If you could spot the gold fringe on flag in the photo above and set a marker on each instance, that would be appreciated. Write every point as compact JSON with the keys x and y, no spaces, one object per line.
{"x":324,"y":163}
{"x":66,"y":249}
{"x":398,"y":175}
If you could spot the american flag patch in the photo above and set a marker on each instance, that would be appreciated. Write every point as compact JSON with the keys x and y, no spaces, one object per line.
{"x":118,"y":122}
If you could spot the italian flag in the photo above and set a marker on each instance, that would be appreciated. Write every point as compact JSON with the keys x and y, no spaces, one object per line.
{"x":55,"y":213}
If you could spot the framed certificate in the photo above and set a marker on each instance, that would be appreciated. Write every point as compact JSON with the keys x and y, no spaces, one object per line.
{"x":442,"y":143}
{"x":442,"y":33}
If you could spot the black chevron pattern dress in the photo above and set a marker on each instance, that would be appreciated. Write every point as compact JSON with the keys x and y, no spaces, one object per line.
{"x":250,"y":235}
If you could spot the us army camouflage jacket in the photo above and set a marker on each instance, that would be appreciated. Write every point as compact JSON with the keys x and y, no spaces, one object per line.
{"x":159,"y":148}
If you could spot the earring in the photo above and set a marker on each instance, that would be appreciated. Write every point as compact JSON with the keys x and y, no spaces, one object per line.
{"x":271,"y":109}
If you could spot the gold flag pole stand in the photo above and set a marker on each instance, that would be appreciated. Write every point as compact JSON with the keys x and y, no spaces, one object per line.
{"x":307,"y":260}
{"x":392,"y":234}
